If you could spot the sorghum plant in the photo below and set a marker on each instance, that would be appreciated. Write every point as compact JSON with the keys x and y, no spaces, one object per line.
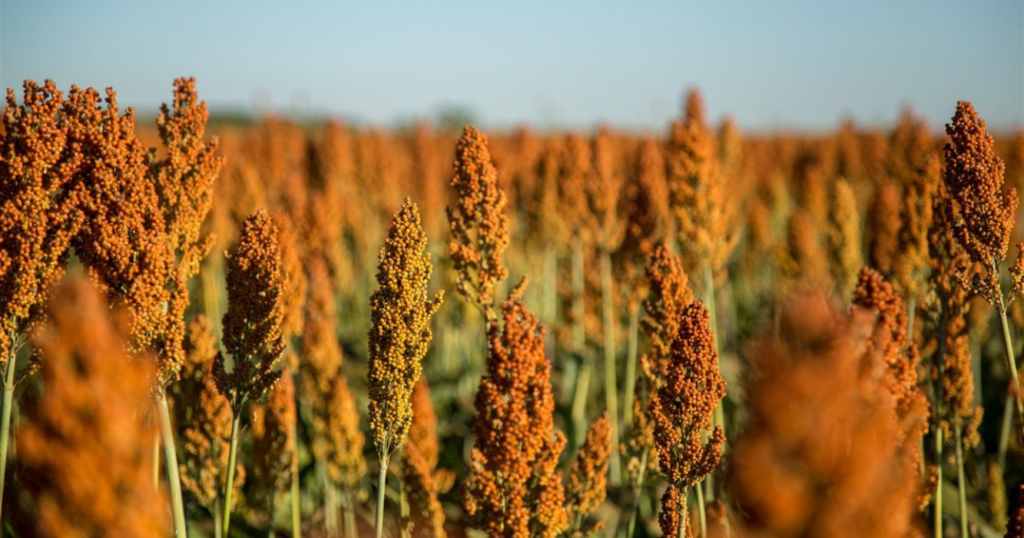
{"x":273,"y":430}
{"x":844,"y":238}
{"x":203,"y":418}
{"x":514,"y":489}
{"x":646,"y":206}
{"x":477,"y":222}
{"x":400,"y":336}
{"x":955,"y":415}
{"x":883,"y":226}
{"x":88,"y":420}
{"x":426,"y":515}
{"x":822,"y":454}
{"x":252,"y":327}
{"x":669,"y":293}
{"x":588,"y":480}
{"x":38,"y":218}
{"x":982,"y":215}
{"x":682,"y":410}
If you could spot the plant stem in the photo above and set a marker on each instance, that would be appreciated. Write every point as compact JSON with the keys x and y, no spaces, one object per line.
{"x":156,"y":460}
{"x":637,"y":491}
{"x":611,"y":389}
{"x":702,"y":519}
{"x":940,"y":367}
{"x":350,"y":516}
{"x":631,"y":358}
{"x":296,"y":505}
{"x":1004,"y":431}
{"x":719,"y":414}
{"x":330,"y":522}
{"x":684,"y":517}
{"x":217,"y":530}
{"x":271,"y":531}
{"x":581,"y":387}
{"x":171,"y":465}
{"x":229,"y":485}
{"x":960,"y":484}
{"x":1014,"y":378}
{"x":579,"y":402}
{"x":382,"y":475}
{"x":5,"y":421}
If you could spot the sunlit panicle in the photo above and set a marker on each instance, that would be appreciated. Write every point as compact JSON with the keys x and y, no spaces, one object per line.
{"x":477,"y":222}
{"x":252,"y":324}
{"x":402,"y":310}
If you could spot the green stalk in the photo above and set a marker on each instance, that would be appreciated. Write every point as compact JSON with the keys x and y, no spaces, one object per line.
{"x":1004,"y":431}
{"x":8,"y":402}
{"x":296,"y":505}
{"x":581,"y":387}
{"x":684,"y":516}
{"x":637,"y":492}
{"x":961,"y":486}
{"x":271,"y":531}
{"x":229,"y":485}
{"x":1012,"y":362}
{"x":611,"y":389}
{"x":551,"y":286}
{"x":630,"y":385}
{"x":938,"y":473}
{"x":403,"y":508}
{"x":719,"y":415}
{"x":579,"y":403}
{"x":156,"y":460}
{"x":579,"y":335}
{"x":702,"y":519}
{"x":330,"y":521}
{"x":939,"y":390}
{"x":350,"y":516}
{"x":217,"y":529}
{"x":171,"y":465}
{"x":381,"y":483}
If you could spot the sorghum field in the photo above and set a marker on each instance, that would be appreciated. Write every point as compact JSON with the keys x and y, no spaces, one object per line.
{"x":312,"y":329}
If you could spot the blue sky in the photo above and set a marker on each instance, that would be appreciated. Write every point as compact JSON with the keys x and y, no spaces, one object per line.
{"x":553,"y":64}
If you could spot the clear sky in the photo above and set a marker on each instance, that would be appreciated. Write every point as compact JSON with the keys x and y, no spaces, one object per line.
{"x":558,"y":63}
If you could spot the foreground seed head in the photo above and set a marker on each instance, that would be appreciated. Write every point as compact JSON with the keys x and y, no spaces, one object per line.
{"x":400,"y":336}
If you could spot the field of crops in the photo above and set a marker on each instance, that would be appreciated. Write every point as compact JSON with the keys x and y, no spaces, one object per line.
{"x":275,"y":327}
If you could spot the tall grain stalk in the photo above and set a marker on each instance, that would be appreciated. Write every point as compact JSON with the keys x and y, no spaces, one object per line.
{"x":8,"y":402}
{"x":610,"y":367}
{"x":631,"y":362}
{"x":399,"y":338}
{"x":940,"y":355}
{"x":719,"y":416}
{"x":689,"y":444}
{"x":82,"y":450}
{"x":252,"y":328}
{"x":702,"y":210}
{"x":581,"y":385}
{"x":1017,"y":392}
{"x":36,"y":169}
{"x":937,"y":501}
{"x":515,"y":488}
{"x":171,"y":457}
{"x":669,"y":294}
{"x":984,"y":213}
{"x":232,"y":458}
{"x":961,"y":480}
{"x":295,"y":494}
